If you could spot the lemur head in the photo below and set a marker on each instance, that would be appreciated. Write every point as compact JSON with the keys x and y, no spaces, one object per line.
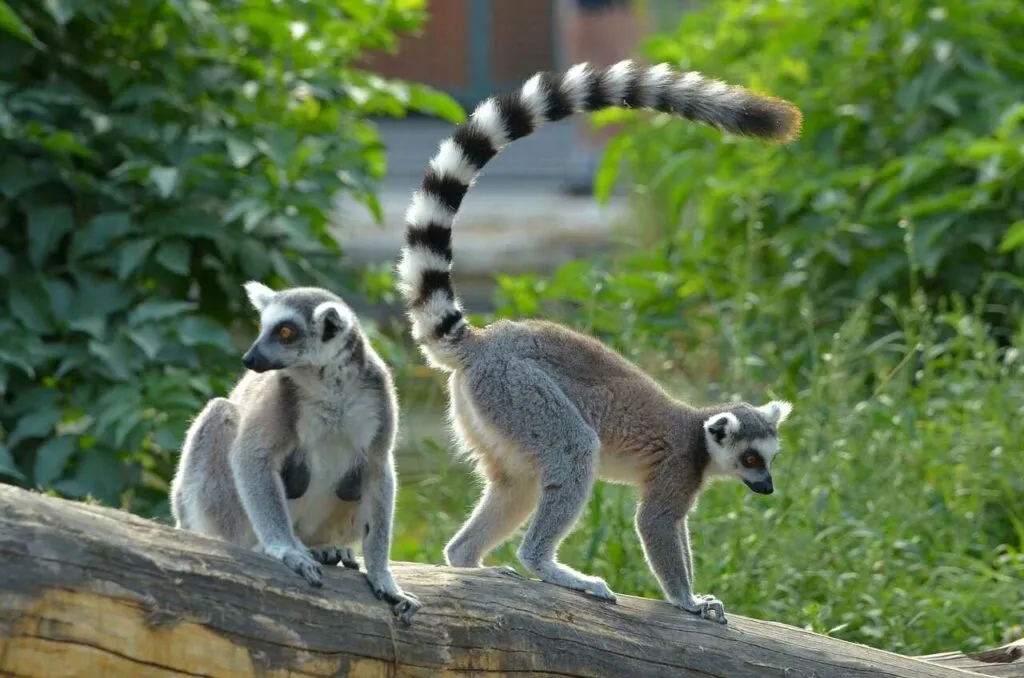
{"x":743,"y":441}
{"x":299,"y":327}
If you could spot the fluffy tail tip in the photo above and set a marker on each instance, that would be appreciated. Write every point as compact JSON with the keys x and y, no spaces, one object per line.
{"x":773,"y":119}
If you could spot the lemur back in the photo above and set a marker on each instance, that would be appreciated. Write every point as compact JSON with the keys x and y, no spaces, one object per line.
{"x":544,"y":410}
{"x":297,"y":460}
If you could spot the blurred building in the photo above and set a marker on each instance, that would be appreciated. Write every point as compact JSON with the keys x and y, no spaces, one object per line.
{"x":471,"y":48}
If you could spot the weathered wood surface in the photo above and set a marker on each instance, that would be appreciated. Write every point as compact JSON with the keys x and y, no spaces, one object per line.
{"x":1006,"y":661}
{"x":89,"y":591}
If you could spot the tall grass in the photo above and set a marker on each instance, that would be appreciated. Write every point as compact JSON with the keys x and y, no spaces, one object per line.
{"x":898,"y":519}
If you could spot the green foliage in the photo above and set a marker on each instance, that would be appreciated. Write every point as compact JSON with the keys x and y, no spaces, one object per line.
{"x":913,"y":144}
{"x":155,"y":155}
{"x":898,"y":519}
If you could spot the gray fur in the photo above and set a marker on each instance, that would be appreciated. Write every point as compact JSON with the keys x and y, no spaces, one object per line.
{"x":297,"y":460}
{"x":545,"y":411}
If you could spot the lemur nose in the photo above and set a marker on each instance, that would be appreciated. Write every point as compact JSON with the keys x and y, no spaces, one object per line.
{"x":248,"y":360}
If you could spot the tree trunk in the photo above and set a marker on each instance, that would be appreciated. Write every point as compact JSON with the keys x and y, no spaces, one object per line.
{"x":92,"y":591}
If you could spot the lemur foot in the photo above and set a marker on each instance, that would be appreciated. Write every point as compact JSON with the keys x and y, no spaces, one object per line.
{"x":299,"y":561}
{"x":403,"y":605}
{"x":704,"y":606}
{"x":506,"y":571}
{"x":601,"y":590}
{"x":578,"y":582}
{"x":332,"y":556}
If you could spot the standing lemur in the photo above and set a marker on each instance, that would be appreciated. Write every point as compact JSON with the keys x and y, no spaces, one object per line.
{"x":298,"y":459}
{"x":545,"y":410}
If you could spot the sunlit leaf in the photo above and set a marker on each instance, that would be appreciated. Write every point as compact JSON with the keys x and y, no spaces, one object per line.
{"x":11,"y":23}
{"x":1014,"y":237}
{"x":165,"y":179}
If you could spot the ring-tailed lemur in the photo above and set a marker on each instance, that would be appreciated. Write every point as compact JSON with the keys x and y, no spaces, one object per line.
{"x":298,"y":458}
{"x":545,"y":410}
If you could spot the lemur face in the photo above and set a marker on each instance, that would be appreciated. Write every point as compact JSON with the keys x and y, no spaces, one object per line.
{"x":300,"y":327}
{"x":743,"y":441}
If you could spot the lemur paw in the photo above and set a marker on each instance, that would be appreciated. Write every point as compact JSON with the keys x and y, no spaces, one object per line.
{"x":403,"y":605}
{"x":332,"y":556}
{"x":299,"y":561}
{"x":704,"y":606}
{"x":600,"y":589}
{"x":348,"y":559}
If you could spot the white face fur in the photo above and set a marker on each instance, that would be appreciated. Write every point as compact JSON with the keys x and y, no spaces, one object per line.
{"x":743,"y":442}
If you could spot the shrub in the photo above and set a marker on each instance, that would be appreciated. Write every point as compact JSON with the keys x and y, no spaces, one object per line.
{"x":909,"y":174}
{"x":155,"y":155}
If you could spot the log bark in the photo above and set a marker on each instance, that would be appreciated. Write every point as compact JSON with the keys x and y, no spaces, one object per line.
{"x":1006,"y":661}
{"x":92,"y":591}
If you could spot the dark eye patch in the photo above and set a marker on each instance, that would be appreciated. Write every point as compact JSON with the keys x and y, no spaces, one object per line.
{"x":751,"y":458}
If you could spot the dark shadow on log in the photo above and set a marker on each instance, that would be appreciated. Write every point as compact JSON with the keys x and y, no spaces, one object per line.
{"x":90,"y":591}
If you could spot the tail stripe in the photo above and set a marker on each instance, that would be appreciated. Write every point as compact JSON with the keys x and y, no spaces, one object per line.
{"x":425,"y":265}
{"x":559,"y":104}
{"x":517,"y":116}
{"x":448,"y":190}
{"x":477,"y":148}
{"x":489,"y":123}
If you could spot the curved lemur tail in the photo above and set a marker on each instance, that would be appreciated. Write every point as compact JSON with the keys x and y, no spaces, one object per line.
{"x":425,"y":265}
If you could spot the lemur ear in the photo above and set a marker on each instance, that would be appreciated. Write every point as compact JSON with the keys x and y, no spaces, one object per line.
{"x":333,"y":318}
{"x":259,"y":294}
{"x":777,"y":411}
{"x":721,"y":426}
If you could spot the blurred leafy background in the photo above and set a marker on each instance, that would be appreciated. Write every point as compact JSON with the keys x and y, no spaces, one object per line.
{"x":156,"y":154}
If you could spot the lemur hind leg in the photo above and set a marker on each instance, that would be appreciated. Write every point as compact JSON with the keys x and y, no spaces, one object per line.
{"x":560,"y":446}
{"x":505,"y":504}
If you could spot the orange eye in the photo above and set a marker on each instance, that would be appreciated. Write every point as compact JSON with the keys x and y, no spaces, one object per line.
{"x":751,"y":460}
{"x":285,"y":332}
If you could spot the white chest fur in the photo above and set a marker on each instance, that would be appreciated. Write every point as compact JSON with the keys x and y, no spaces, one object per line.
{"x":335,"y":433}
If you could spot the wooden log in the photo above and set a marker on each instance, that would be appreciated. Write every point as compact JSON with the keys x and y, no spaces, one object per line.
{"x":1006,"y":661}
{"x":91,"y":591}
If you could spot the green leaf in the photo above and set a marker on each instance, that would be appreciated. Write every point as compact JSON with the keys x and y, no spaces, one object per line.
{"x":7,"y":466}
{"x":131,"y":256}
{"x":148,"y":338}
{"x":61,"y":10}
{"x":99,"y":298}
{"x":34,"y":424}
{"x":27,"y":302}
{"x":429,"y":100}
{"x":157,"y":310}
{"x":195,"y":330}
{"x":113,"y":357}
{"x":165,"y":179}
{"x":51,"y":458}
{"x":100,"y":474}
{"x":1014,"y":237}
{"x":100,"y":233}
{"x":174,"y":256}
{"x":12,"y":23}
{"x":609,"y":169}
{"x":240,"y":152}
{"x":46,"y":226}
{"x":61,"y":295}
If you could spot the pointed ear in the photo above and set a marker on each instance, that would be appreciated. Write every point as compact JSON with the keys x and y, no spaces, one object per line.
{"x":777,"y":411}
{"x":259,"y":294}
{"x":333,"y":319}
{"x":720,"y":426}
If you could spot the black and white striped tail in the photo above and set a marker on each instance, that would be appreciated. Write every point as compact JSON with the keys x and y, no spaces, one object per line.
{"x":425,"y":265}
